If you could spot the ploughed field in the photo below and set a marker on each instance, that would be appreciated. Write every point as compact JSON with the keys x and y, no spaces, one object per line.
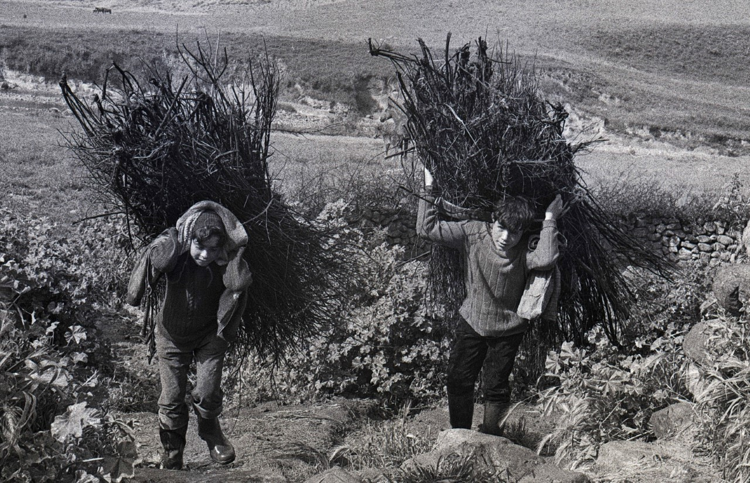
{"x":663,"y":86}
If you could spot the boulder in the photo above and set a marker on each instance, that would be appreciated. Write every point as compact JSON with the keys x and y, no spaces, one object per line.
{"x":694,"y":343}
{"x":732,"y":287}
{"x":673,"y":421}
{"x":663,"y":462}
{"x":334,"y":475}
{"x":524,"y":424}
{"x":493,"y":453}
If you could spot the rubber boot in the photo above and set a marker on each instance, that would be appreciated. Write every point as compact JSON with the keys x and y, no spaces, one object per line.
{"x":494,"y":413}
{"x":173,"y":442}
{"x":220,"y":448}
{"x":461,"y":410}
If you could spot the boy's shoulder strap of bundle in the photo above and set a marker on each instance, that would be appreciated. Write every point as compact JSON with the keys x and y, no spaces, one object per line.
{"x":149,"y":319}
{"x":150,"y":293}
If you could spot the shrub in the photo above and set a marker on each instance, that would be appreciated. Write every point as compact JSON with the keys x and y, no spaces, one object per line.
{"x":601,"y":392}
{"x":49,"y":361}
{"x":724,"y":402}
{"x":386,"y":345}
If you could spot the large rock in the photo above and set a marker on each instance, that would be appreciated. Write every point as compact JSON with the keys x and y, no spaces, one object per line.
{"x":673,"y":421}
{"x":662,"y":462}
{"x":732,"y":287}
{"x":496,"y":453}
{"x":524,"y":425}
{"x":334,"y":475}
{"x":694,"y":343}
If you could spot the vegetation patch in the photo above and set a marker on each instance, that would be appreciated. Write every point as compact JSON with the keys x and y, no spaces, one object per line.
{"x":702,"y":53}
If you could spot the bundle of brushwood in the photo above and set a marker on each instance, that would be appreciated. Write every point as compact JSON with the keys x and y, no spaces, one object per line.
{"x":153,"y":149}
{"x":478,"y":122}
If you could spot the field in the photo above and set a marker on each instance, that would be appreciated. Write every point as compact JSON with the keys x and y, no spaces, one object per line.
{"x":661,"y":89}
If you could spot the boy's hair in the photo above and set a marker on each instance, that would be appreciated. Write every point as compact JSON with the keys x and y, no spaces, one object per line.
{"x":205,"y":233}
{"x":514,"y":213}
{"x":207,"y":225}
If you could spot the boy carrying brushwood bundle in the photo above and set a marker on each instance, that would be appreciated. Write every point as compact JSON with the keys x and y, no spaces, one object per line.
{"x":206,"y":291}
{"x":497,"y":267}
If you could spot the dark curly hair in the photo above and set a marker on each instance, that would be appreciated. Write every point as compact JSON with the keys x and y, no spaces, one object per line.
{"x":514,"y":213}
{"x":205,"y":233}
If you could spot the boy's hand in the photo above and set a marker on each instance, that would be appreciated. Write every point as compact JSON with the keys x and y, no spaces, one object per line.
{"x":428,"y":180}
{"x":555,"y":209}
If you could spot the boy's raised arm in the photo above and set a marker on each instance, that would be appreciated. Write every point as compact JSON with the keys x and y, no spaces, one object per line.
{"x":547,"y":250}
{"x":430,"y":227}
{"x":164,"y":251}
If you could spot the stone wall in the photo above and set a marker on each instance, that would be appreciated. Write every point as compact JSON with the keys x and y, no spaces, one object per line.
{"x":704,"y":242}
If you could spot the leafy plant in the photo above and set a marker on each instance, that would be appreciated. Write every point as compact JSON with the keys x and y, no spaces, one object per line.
{"x":48,"y":361}
{"x":601,"y":392}
{"x":723,"y":403}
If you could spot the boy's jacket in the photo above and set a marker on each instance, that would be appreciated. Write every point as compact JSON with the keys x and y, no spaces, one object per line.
{"x":161,"y":256}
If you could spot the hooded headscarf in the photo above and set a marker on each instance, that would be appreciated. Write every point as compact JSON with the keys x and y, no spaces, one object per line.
{"x":236,"y":233}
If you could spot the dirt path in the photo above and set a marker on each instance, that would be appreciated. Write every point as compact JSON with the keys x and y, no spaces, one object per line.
{"x":273,"y":442}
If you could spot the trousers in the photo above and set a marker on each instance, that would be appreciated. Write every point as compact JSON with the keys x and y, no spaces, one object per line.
{"x":174,"y":364}
{"x":471,"y":352}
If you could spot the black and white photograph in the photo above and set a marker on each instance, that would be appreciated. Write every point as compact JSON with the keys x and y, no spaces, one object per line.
{"x":349,"y":241}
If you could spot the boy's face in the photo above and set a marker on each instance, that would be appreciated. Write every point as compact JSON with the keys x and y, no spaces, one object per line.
{"x":504,"y":239}
{"x":206,"y":252}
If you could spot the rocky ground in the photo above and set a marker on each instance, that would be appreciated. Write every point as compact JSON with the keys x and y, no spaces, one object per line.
{"x":308,"y":442}
{"x":282,"y":443}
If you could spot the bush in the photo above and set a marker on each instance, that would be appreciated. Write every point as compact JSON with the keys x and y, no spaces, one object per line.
{"x":49,"y":361}
{"x":601,"y":392}
{"x":386,"y":345}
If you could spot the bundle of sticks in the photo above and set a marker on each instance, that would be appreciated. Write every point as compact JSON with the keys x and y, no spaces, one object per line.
{"x":477,"y":120}
{"x":154,"y":148}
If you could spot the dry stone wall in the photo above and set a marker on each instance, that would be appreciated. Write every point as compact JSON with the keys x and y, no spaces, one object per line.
{"x":703,"y":242}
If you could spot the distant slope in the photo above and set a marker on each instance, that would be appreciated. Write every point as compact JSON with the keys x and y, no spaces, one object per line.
{"x":673,"y":68}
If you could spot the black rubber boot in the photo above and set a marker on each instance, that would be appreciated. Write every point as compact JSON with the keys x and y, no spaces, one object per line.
{"x":173,"y":442}
{"x":493,"y":415}
{"x":461,"y":410}
{"x":220,"y":448}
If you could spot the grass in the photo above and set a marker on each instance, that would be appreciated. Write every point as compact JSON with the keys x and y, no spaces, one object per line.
{"x":383,"y":444}
{"x":335,"y":71}
{"x":38,"y":175}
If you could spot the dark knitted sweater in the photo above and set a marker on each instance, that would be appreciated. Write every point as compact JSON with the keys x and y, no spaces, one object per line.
{"x":495,"y":279}
{"x":191,"y":302}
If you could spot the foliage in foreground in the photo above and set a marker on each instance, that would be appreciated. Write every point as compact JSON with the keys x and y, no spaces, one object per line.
{"x":386,"y":344}
{"x":50,"y":366}
{"x":602,"y":393}
{"x":724,"y":402}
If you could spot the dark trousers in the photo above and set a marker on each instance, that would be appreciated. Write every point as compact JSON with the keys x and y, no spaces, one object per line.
{"x":174,"y":363}
{"x":470,"y":352}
